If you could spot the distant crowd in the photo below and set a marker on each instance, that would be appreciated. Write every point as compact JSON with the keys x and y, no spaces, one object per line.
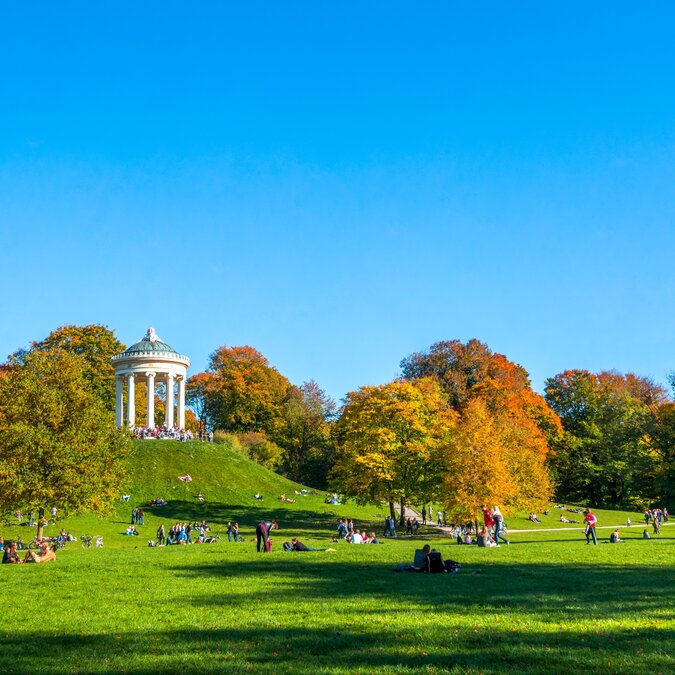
{"x":171,"y":434}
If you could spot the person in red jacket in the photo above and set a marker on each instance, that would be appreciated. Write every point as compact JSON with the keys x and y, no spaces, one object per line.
{"x":488,"y":520}
{"x":591,"y":522}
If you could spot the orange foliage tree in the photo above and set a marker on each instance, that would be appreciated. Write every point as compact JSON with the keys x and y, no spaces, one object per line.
{"x":506,"y":431}
{"x":240,"y":392}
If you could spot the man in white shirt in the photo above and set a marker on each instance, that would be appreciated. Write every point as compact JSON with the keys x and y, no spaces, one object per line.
{"x":357,"y":538}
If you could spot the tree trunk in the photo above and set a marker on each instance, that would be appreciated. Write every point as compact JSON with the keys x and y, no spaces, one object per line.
{"x":40,"y":523}
{"x":402,"y":521}
{"x":392,"y":511}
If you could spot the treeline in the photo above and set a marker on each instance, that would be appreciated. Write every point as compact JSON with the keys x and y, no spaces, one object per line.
{"x":461,"y":426}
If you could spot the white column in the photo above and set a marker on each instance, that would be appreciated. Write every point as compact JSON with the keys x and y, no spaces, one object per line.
{"x":119,"y":401}
{"x":168,"y":417}
{"x":131,"y":402}
{"x":181,"y":402}
{"x":150,"y":380}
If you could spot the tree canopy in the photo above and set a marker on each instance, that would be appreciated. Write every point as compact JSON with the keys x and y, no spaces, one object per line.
{"x":614,"y":425}
{"x":58,"y":442}
{"x":390,"y":440}
{"x":94,"y":344}
{"x":241,"y":392}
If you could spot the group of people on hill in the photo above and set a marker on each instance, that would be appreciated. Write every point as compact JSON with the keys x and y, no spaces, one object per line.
{"x":163,"y":433}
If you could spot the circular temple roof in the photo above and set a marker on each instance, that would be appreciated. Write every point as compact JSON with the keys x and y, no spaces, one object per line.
{"x":150,"y":346}
{"x":150,"y":343}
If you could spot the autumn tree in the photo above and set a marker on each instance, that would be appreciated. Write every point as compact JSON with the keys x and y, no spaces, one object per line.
{"x":308,"y":449}
{"x":504,"y":427}
{"x":200,"y":392}
{"x":468,"y":371}
{"x":95,"y":345}
{"x":58,"y":442}
{"x":389,"y":442}
{"x":242,"y":392}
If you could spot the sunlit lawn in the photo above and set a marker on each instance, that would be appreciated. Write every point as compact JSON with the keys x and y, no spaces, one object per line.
{"x":546,"y":603}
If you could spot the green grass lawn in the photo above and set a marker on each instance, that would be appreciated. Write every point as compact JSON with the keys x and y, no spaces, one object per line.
{"x":546,"y":603}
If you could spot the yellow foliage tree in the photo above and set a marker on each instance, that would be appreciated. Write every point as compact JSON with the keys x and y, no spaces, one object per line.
{"x":389,"y":441}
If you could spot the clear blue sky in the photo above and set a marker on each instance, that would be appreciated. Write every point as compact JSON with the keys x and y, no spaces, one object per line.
{"x":341,"y":184}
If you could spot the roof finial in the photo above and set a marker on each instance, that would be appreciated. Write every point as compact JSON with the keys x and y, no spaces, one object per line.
{"x":151,"y":335}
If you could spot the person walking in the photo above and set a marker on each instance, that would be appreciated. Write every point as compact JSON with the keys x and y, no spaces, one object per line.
{"x":262,"y":534}
{"x":424,"y":515}
{"x":500,"y":525}
{"x":591,"y":522}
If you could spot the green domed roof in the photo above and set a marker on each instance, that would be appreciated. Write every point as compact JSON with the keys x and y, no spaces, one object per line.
{"x":150,"y":343}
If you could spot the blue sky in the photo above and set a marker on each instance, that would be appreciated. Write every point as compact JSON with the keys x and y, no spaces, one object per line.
{"x":340,"y":186}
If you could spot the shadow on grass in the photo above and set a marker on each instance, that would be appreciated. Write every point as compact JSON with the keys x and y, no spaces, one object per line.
{"x":577,"y":591}
{"x":290,"y":516}
{"x":303,"y":650}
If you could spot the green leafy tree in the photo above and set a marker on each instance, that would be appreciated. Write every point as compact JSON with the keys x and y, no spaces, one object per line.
{"x":606,"y":455}
{"x":308,"y":448}
{"x":58,"y":443}
{"x":389,"y":441}
{"x":95,"y":345}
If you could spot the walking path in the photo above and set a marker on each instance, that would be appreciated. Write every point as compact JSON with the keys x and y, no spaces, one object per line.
{"x":410,"y":513}
{"x":563,"y":529}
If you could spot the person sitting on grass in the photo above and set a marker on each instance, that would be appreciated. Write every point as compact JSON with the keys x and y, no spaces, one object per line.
{"x":419,"y":560}
{"x":533,"y":517}
{"x":484,"y":539}
{"x":433,"y":562}
{"x":373,"y":538}
{"x":131,"y":531}
{"x":11,"y":557}
{"x":645,"y":534}
{"x":44,"y":554}
{"x":614,"y":537}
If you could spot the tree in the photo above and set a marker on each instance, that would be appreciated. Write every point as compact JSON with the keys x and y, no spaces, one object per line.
{"x":198,"y":392}
{"x":389,"y":442}
{"x":467,"y":371}
{"x":308,"y":449}
{"x":95,"y":345}
{"x":244,"y":393}
{"x":607,"y":453}
{"x":58,"y":442}
{"x":455,"y":366}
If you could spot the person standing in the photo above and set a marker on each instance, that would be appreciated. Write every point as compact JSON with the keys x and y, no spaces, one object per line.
{"x":424,"y":515}
{"x":500,"y":525}
{"x":591,"y":522}
{"x":262,"y":534}
{"x":161,"y":535}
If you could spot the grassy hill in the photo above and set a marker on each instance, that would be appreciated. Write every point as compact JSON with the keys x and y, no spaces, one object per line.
{"x":229,"y":481}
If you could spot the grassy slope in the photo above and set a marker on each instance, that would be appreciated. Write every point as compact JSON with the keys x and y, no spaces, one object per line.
{"x":547,"y":603}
